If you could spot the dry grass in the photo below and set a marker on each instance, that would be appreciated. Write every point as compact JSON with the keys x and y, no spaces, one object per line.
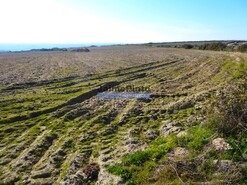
{"x":37,"y":66}
{"x":90,"y":130}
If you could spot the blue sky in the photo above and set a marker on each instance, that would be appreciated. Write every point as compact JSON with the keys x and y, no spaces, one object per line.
{"x":121,"y":21}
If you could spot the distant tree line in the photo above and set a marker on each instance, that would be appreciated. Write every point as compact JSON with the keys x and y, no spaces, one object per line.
{"x":63,"y":49}
{"x":217,"y":46}
{"x":50,"y":49}
{"x":206,"y":45}
{"x":80,"y":50}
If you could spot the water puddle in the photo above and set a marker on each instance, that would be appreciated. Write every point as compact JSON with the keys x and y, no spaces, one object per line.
{"x":124,"y":95}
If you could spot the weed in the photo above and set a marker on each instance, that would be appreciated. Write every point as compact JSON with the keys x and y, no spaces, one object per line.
{"x":120,"y":171}
{"x":68,"y":144}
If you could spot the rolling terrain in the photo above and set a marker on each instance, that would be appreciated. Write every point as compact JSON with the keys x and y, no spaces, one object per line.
{"x":55,"y":130}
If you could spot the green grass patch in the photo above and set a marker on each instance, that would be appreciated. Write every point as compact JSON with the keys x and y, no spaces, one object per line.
{"x":231,"y":69}
{"x":120,"y":171}
{"x":197,"y":137}
{"x":136,"y":168}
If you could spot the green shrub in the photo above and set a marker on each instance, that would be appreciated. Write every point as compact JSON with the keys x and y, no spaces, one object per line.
{"x":242,"y":48}
{"x":187,"y":46}
{"x":138,"y":158}
{"x":239,"y":147}
{"x":199,"y":137}
{"x":231,"y":108}
{"x":217,"y":46}
{"x":196,"y":138}
{"x":120,"y":171}
{"x":159,"y":141}
{"x":137,"y":167}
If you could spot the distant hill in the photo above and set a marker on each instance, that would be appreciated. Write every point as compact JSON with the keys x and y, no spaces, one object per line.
{"x":63,"y":49}
{"x":77,"y":49}
{"x":220,"y":45}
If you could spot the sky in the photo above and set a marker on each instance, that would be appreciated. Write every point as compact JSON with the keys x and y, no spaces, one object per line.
{"x":121,"y":21}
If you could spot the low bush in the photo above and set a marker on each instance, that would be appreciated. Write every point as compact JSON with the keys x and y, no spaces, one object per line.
{"x":197,"y":137}
{"x":120,"y":171}
{"x":231,"y":107}
{"x":217,"y":46}
{"x":242,"y":48}
{"x":138,"y":158}
{"x":136,"y":168}
{"x":187,"y":46}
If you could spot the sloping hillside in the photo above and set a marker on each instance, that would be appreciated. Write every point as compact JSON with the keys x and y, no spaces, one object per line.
{"x":55,"y":130}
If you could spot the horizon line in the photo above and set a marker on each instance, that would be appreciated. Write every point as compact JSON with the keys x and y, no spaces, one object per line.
{"x":31,"y":46}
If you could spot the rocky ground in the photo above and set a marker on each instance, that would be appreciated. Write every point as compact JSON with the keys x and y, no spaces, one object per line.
{"x":55,"y":130}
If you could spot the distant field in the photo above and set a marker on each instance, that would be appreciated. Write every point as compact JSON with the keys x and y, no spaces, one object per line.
{"x":37,"y":66}
{"x":55,"y":130}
